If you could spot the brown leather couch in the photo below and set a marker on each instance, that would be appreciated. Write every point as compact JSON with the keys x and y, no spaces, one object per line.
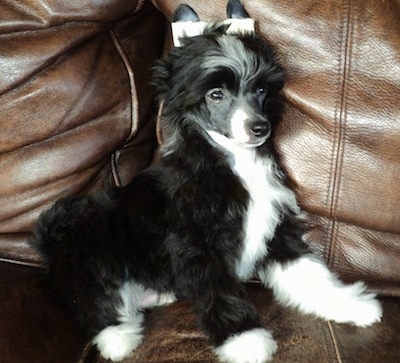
{"x":76,"y":115}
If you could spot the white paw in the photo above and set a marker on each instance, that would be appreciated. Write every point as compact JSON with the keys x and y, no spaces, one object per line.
{"x":117,"y":342}
{"x":351,"y":304}
{"x":308,"y":285}
{"x":252,"y":346}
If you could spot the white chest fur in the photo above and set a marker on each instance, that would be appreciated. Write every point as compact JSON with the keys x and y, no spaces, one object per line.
{"x":268,"y":199}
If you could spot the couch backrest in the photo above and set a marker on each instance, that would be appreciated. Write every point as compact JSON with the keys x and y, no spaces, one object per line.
{"x":75,"y":114}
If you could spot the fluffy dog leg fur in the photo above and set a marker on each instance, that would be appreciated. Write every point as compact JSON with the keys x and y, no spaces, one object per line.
{"x":117,"y":342}
{"x":307,"y":284}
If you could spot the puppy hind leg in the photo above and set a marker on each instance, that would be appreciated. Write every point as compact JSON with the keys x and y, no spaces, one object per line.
{"x":230,"y":319}
{"x":307,"y":284}
{"x":116,"y":342}
{"x":232,"y":323}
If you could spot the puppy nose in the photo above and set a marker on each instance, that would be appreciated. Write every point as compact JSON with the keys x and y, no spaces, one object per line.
{"x":260,"y":129}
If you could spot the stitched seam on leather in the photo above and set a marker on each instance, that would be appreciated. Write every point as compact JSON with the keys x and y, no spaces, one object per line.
{"x":139,"y":5}
{"x":340,"y":123}
{"x":134,"y":107}
{"x":334,"y":342}
{"x":129,"y":69}
{"x":114,"y":170}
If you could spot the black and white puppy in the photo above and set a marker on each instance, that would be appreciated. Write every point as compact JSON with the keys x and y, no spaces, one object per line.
{"x":213,"y":212}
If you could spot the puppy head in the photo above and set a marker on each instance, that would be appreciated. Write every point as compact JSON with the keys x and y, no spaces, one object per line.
{"x":226,"y":83}
{"x":241,"y":83}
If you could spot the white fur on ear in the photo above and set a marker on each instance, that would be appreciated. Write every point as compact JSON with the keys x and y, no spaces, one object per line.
{"x":239,"y":26}
{"x":182,"y":29}
{"x":186,"y":22}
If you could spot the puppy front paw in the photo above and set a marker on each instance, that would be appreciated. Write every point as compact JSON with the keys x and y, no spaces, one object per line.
{"x":353,"y":305}
{"x":252,"y":346}
{"x":117,"y":342}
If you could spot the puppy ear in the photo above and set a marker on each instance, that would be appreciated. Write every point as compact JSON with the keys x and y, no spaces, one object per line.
{"x":235,"y":10}
{"x":185,"y":13}
{"x":238,"y":19}
{"x":185,"y":23}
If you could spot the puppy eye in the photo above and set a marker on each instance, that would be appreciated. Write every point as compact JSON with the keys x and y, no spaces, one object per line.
{"x":262,"y":90}
{"x":217,"y":95}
